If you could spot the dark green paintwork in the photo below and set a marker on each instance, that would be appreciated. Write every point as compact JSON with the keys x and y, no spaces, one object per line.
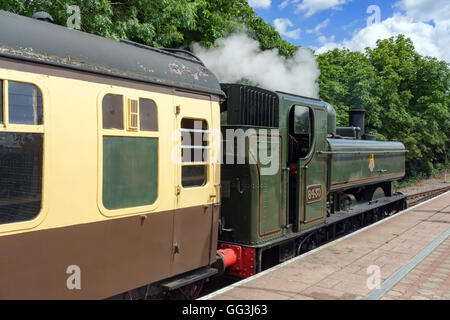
{"x":240,"y":182}
{"x":130,"y":172}
{"x":251,"y":201}
{"x":311,"y":167}
{"x":312,"y":172}
{"x":350,"y":132}
{"x":270,"y":184}
{"x":349,"y":162}
{"x":331,"y":119}
{"x":241,"y":222}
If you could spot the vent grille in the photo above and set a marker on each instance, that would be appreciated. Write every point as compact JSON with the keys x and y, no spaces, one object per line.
{"x":133,"y":115}
{"x":257,"y":108}
{"x":251,"y":106}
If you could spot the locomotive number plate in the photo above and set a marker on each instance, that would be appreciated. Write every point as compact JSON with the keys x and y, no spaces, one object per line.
{"x":314,"y":193}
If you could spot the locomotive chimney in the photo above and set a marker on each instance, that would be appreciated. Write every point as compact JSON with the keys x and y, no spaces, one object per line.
{"x":357,"y":119}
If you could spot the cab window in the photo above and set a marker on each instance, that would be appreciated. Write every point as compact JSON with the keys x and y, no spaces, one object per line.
{"x":301,"y":131}
{"x":301,"y":125}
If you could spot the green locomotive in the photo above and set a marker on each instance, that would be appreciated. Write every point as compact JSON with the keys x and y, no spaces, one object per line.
{"x":327,"y":181}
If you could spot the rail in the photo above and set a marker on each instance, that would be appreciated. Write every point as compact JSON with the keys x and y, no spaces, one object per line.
{"x":414,"y":199}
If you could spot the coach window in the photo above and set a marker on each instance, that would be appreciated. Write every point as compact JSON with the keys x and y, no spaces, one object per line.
{"x":25,"y":103}
{"x":130,"y":152}
{"x":148,"y":115}
{"x":112,"y":112}
{"x":194,"y":152}
{"x":21,"y":151}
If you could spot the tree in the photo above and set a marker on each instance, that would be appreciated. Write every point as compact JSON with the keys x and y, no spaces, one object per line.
{"x":161,"y":23}
{"x":406,"y":96}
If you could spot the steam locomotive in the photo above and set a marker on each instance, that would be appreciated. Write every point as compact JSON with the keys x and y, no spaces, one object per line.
{"x":102,"y":194}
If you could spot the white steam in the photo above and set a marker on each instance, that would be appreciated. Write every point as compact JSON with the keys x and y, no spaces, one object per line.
{"x":239,"y":57}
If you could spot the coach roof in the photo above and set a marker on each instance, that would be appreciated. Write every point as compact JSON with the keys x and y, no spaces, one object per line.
{"x":38,"y":41}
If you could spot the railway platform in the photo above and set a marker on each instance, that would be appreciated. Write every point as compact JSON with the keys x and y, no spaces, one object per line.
{"x":403,"y":257}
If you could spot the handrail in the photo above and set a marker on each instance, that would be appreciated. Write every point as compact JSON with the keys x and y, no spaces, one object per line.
{"x":363,"y":152}
{"x":184,"y":52}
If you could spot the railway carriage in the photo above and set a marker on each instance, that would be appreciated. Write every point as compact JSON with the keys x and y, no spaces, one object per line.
{"x":89,"y":178}
{"x":111,"y":176}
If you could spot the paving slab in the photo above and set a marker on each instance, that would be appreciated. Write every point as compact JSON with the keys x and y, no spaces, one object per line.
{"x":433,"y":282}
{"x":406,"y":256}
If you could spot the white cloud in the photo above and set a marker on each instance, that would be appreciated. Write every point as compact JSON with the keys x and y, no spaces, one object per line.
{"x":260,"y":3}
{"x":322,"y":39}
{"x":429,"y":39}
{"x":310,"y":7}
{"x":284,"y":4}
{"x":425,"y":10}
{"x":281,"y":25}
{"x":321,"y":25}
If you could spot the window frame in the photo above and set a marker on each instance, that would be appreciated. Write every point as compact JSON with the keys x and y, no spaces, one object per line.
{"x":40,"y":83}
{"x":13,"y":127}
{"x":126,"y":96}
{"x":296,"y":120}
{"x":208,"y":147}
{"x":312,"y":129}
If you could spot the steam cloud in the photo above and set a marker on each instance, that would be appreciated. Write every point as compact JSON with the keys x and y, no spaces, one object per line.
{"x":239,"y":57}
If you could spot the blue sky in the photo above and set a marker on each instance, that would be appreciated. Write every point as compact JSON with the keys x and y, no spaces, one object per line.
{"x":327,"y":24}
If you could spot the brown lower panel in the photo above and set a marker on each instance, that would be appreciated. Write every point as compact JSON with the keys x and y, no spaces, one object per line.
{"x":114,"y":256}
{"x":192,"y":235}
{"x":214,"y":232}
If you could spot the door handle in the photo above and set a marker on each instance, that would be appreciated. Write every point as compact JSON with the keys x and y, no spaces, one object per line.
{"x":238,"y":186}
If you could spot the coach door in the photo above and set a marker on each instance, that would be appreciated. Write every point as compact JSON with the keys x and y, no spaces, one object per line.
{"x":311,"y":181}
{"x":195,"y":188}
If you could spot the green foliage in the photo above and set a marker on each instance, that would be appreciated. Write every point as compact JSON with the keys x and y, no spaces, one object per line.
{"x":406,"y":96}
{"x":161,"y":23}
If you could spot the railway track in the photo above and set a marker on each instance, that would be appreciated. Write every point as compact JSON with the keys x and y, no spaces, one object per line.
{"x":414,"y":199}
